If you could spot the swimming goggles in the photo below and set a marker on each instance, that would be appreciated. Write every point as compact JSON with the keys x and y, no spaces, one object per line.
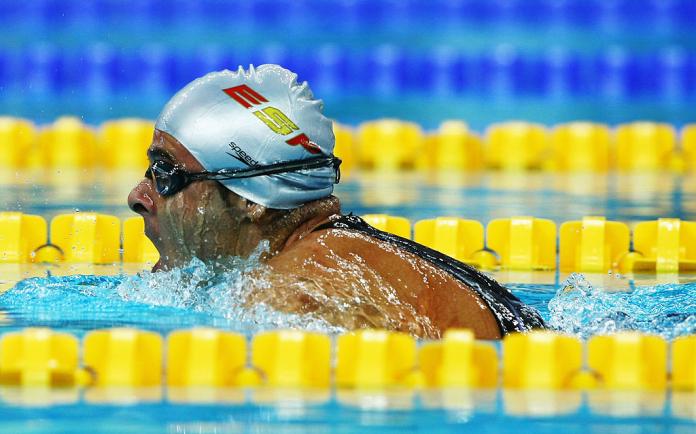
{"x":170,"y":179}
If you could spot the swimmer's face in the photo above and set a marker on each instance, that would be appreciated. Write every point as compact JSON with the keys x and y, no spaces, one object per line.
{"x":203,"y":220}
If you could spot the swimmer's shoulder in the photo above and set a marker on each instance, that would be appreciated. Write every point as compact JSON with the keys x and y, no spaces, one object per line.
{"x":327,"y":243}
{"x":335,"y":247}
{"x":446,"y":301}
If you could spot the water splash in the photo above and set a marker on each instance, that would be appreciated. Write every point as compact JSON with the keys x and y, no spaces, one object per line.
{"x":221,"y":289}
{"x":581,"y":309}
{"x":197,"y":294}
{"x":237,"y":294}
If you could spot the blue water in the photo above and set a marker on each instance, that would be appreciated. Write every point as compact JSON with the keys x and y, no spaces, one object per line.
{"x":423,"y":60}
{"x":483,"y":196}
{"x":482,"y":61}
{"x":330,"y":416}
{"x":167,"y":301}
{"x":198,"y":295}
{"x":195,"y":295}
{"x":192,"y":297}
{"x":164,"y":302}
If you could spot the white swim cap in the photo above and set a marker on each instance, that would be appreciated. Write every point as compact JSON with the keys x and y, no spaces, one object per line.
{"x":236,"y":120}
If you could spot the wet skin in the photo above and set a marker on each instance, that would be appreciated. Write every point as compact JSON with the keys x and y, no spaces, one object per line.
{"x":346,"y":278}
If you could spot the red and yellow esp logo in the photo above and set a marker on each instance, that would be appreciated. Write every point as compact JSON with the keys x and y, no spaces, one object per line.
{"x":274,"y":119}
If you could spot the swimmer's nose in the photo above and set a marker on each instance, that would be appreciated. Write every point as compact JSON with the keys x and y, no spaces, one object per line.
{"x":140,"y":200}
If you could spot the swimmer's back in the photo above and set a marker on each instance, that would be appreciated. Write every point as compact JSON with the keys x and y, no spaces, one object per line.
{"x":447,"y":292}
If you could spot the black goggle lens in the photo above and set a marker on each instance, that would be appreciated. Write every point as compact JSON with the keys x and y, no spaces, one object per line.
{"x":166,"y":177}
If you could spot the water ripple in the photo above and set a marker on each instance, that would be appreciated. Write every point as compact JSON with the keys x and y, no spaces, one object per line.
{"x":581,"y":309}
{"x":212,"y":295}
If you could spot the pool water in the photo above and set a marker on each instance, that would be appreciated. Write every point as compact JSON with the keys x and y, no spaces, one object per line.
{"x":80,"y":298}
{"x":549,"y":61}
{"x":198,"y":295}
{"x":342,"y":413}
{"x":627,"y":197}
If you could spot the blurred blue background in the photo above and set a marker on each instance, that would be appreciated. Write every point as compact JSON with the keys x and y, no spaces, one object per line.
{"x":423,"y":60}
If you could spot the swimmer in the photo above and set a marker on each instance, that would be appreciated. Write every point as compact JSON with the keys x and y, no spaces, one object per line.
{"x":242,"y":157}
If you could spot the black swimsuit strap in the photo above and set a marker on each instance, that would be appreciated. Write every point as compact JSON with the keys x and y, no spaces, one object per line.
{"x":511,"y":313}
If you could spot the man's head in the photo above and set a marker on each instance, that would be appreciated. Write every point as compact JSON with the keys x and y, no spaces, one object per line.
{"x":232,"y":121}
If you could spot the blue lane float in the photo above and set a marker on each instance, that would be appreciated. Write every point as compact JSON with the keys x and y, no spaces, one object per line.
{"x":384,"y":71}
{"x":671,"y":14}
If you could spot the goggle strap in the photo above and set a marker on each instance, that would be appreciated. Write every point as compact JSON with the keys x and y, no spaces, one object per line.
{"x":272,"y":169}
